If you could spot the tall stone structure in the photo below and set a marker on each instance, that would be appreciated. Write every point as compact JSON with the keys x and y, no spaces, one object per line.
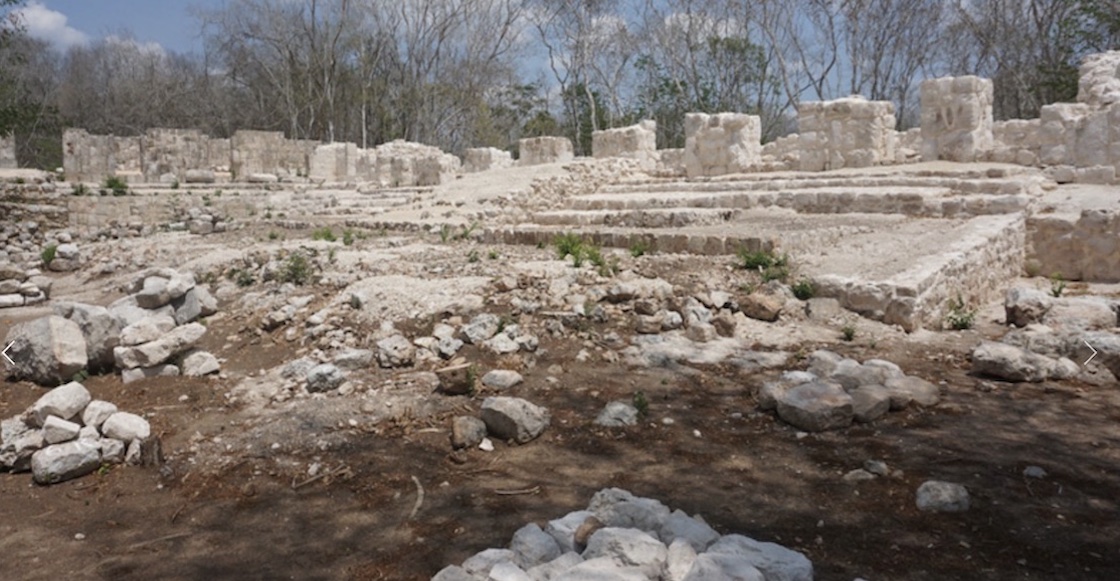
{"x":478,"y":159}
{"x":723,"y":143}
{"x":851,"y":132}
{"x":956,"y":118}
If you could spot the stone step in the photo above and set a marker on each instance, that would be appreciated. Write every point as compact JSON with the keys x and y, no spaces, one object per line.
{"x":642,"y":218}
{"x":909,"y":201}
{"x":990,"y":186}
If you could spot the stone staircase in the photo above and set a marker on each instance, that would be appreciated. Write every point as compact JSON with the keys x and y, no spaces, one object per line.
{"x":893,"y":244}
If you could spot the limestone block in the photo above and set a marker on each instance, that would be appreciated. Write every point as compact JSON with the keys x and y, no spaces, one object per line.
{"x":635,"y":142}
{"x":721,"y":144}
{"x":334,"y":162}
{"x":541,"y":150}
{"x":956,"y":118}
{"x":851,"y":132}
{"x":483,"y":158}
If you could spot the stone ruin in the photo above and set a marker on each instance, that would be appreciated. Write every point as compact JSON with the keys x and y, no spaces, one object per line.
{"x":852,"y":132}
{"x":479,"y":159}
{"x":541,"y":150}
{"x":956,"y":119}
{"x":635,"y":142}
{"x":394,"y":164}
{"x":721,"y":144}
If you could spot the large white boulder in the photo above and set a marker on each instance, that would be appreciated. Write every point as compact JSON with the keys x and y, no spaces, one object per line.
{"x":100,"y":329}
{"x":64,"y":402}
{"x":47,"y":351}
{"x":514,"y":419}
{"x":628,"y":548}
{"x":155,"y":352}
{"x":1010,"y":363}
{"x":126,"y":427}
{"x":65,"y":461}
{"x":816,"y":406}
{"x":776,"y":562}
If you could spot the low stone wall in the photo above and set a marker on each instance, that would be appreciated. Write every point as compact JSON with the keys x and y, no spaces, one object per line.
{"x":1085,"y":247}
{"x":1016,"y":141}
{"x":484,"y":158}
{"x":851,"y":132}
{"x":976,"y":269}
{"x":539,"y":150}
{"x":635,"y":142}
{"x":724,"y":143}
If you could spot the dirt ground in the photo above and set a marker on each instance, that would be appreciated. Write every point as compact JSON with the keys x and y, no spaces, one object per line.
{"x":317,"y":492}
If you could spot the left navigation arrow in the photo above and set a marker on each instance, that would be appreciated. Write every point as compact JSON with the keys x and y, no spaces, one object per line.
{"x":5,"y":353}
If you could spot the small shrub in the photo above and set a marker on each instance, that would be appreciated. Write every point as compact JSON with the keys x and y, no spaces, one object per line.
{"x":356,"y":302}
{"x":473,"y":256}
{"x":296,"y":269}
{"x":273,"y":235}
{"x":331,"y":255}
{"x":639,"y":248}
{"x":777,"y":272}
{"x":466,"y":232}
{"x":568,"y":244}
{"x":848,"y":332}
{"x":175,"y":185}
{"x":1033,"y":268}
{"x":243,"y":278}
{"x":960,"y":317}
{"x":641,"y":404}
{"x":80,"y":190}
{"x":760,"y":260}
{"x":348,"y":237}
{"x":1057,"y":285}
{"x":116,"y":185}
{"x":803,"y":290}
{"x":444,"y":233}
{"x":493,"y":254}
{"x":323,"y":233}
{"x":48,"y":253}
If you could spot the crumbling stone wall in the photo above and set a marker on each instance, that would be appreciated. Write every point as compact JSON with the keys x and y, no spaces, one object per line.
{"x":479,"y":159}
{"x":1016,"y":141}
{"x":851,"y":132}
{"x":635,"y":142}
{"x":721,"y":144}
{"x":1099,"y":80}
{"x":394,"y":164}
{"x":269,"y":152}
{"x":1082,"y":247}
{"x":334,"y":162}
{"x":538,"y":150}
{"x":956,"y":118}
{"x":8,"y":153}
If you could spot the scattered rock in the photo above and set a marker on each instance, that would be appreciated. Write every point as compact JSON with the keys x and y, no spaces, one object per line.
{"x":467,"y":432}
{"x":870,"y":402}
{"x":159,"y":351}
{"x":763,"y":307}
{"x":628,"y":548}
{"x":532,"y":546}
{"x":617,"y":414}
{"x":938,"y":496}
{"x":146,"y":330}
{"x":56,"y":431}
{"x":395,"y":351}
{"x":353,"y":359}
{"x":816,"y":406}
{"x":908,"y":389}
{"x":481,"y":328}
{"x":1023,"y":306}
{"x":1034,"y":472}
{"x":457,"y":379}
{"x":200,"y":363}
{"x":501,"y":379}
{"x":774,"y":561}
{"x":97,"y":412}
{"x":101,"y":331}
{"x":514,"y":419}
{"x":325,"y":377}
{"x":136,"y":374}
{"x":1010,"y":363}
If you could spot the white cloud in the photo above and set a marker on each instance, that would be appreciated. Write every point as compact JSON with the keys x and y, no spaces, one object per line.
{"x":51,"y":26}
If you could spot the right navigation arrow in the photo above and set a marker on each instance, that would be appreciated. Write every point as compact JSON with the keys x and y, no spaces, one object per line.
{"x":1091,"y":349}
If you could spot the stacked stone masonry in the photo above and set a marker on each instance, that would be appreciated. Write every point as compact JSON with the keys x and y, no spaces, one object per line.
{"x":852,"y":132}
{"x":394,"y":164}
{"x":540,"y":150}
{"x":479,"y":159}
{"x":725,"y":143}
{"x":956,"y":118}
{"x":636,"y":142}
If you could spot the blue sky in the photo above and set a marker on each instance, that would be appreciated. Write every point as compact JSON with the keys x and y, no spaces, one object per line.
{"x":67,"y":22}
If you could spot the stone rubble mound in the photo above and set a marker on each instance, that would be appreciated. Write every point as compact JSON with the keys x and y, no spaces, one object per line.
{"x":622,"y":537}
{"x":1051,"y":338}
{"x":835,"y":391}
{"x":67,"y":434}
{"x":19,"y":287}
{"x":151,"y":332}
